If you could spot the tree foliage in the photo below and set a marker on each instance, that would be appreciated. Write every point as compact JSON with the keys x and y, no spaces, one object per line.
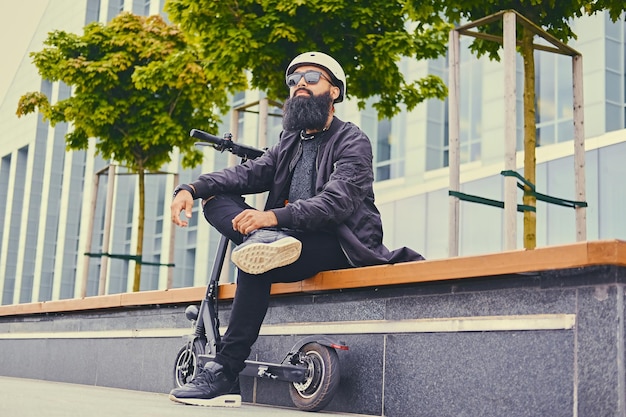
{"x":367,"y":38}
{"x":553,"y":16}
{"x":138,"y":86}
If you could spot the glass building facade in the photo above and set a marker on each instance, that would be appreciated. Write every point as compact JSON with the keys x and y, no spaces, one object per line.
{"x":52,"y":212}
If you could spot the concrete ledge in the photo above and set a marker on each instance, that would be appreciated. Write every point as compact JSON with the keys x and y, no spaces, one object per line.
{"x":523,"y":333}
{"x":577,"y":255}
{"x":430,"y":325}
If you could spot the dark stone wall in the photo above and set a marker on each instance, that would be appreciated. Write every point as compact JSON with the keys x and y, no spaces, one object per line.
{"x":465,"y":373}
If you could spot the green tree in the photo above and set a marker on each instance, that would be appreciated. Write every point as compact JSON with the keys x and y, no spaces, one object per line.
{"x":367,"y":38}
{"x":138,"y":85}
{"x":554,"y":17}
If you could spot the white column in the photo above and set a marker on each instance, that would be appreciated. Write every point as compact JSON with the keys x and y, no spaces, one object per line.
{"x":579,"y":147}
{"x":24,"y":220}
{"x":168,"y":235}
{"x":104,"y":11}
{"x":108,"y":217}
{"x":510,"y":183}
{"x":87,"y":221}
{"x":45,"y":197}
{"x":259,"y":199}
{"x":454,"y":157}
{"x":134,"y":235}
{"x":7,"y":219}
{"x":62,"y":226}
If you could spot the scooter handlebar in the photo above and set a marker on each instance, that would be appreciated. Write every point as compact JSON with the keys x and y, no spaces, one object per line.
{"x":223,"y":144}
{"x":206,"y":137}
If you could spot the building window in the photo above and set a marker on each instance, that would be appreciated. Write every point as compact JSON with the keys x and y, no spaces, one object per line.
{"x":470,"y":106}
{"x":554,"y":98}
{"x":383,"y":150}
{"x":615,"y":73}
{"x":115,"y":7}
{"x":437,"y":135}
{"x":93,"y":11}
{"x":141,"y":7}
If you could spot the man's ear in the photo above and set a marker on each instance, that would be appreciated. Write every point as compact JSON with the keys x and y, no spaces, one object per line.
{"x":334,"y":92}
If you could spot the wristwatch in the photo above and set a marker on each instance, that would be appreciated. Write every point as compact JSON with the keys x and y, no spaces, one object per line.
{"x":185,"y":187}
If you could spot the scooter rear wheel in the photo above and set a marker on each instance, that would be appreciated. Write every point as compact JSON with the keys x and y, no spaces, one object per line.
{"x":186,"y":366}
{"x":322,"y":380}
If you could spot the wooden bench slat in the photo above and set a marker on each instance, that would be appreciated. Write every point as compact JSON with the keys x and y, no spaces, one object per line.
{"x":576,"y":255}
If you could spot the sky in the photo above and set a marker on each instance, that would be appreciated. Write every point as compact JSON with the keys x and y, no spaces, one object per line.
{"x":18,"y":21}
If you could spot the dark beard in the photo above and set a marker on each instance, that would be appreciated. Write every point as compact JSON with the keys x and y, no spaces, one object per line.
{"x":307,"y":113}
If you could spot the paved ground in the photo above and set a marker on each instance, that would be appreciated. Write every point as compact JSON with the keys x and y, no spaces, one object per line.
{"x":35,"y":398}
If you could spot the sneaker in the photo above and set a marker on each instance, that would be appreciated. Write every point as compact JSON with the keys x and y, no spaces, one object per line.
{"x":265,"y":250}
{"x":211,"y":387}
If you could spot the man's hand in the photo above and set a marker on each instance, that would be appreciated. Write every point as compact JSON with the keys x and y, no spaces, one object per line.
{"x":250,"y":220}
{"x":182,"y":202}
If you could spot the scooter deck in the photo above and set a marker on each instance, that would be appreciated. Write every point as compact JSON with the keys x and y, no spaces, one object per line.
{"x":280,"y":372}
{"x":228,"y":400}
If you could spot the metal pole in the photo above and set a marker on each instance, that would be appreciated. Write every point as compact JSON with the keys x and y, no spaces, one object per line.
{"x":262,"y":143}
{"x":263,"y":116}
{"x":108,"y":215}
{"x":89,"y":238}
{"x":454,"y":155}
{"x":232,"y":160}
{"x":579,"y":147}
{"x":510,"y":163}
{"x":234,"y":130}
{"x":172,"y":254}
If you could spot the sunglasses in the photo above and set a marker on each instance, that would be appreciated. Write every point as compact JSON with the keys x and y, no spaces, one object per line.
{"x":311,"y":77}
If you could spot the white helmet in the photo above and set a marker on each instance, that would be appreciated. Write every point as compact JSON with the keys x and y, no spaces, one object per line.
{"x":328,"y":63}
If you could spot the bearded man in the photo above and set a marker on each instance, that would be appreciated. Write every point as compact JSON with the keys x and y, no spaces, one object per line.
{"x":319,"y":215}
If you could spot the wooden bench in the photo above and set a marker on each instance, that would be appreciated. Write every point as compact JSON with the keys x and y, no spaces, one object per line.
{"x":577,"y":255}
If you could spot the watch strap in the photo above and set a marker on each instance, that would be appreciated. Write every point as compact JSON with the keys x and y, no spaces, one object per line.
{"x":185,"y":187}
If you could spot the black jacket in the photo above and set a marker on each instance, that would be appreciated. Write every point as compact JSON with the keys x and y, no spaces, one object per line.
{"x":343,"y":201}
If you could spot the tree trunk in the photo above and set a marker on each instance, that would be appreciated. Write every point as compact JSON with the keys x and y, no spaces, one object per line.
{"x":530,"y":139}
{"x":140,"y":228}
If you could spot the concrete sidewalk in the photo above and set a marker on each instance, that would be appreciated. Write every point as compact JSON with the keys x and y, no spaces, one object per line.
{"x":35,"y":398}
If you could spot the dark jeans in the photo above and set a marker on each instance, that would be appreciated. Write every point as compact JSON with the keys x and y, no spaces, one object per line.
{"x":320,"y":252}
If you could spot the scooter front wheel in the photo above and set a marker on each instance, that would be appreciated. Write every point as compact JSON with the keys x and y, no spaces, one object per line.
{"x":322,"y":379}
{"x":186,"y":366}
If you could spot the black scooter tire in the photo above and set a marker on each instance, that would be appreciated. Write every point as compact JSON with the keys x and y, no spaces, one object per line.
{"x":322,"y":382}
{"x":186,"y":366}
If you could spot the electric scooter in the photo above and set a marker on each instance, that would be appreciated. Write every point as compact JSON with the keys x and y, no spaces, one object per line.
{"x":311,"y":366}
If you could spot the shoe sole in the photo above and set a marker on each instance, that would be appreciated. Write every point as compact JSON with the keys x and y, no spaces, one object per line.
{"x":228,"y":400}
{"x":257,"y":258}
